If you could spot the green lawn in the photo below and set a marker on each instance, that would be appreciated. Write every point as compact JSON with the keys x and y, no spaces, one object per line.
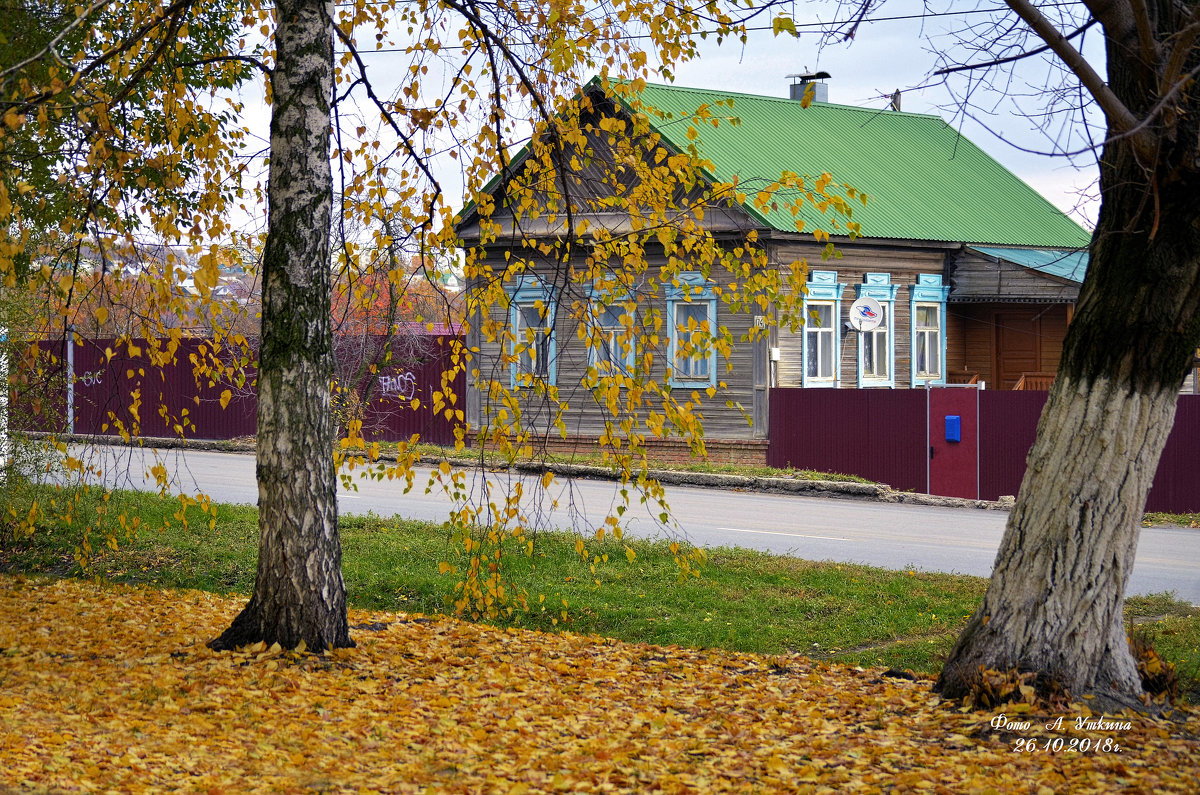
{"x":744,"y":600}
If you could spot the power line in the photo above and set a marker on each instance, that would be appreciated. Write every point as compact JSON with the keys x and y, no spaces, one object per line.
{"x":810,"y":27}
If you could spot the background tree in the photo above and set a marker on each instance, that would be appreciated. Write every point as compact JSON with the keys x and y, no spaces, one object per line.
{"x":387,"y":305}
{"x":1054,"y":604}
{"x":477,"y":83}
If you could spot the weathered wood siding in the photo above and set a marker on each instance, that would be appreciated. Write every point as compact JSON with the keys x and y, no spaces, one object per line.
{"x":587,"y":415}
{"x":903,"y":264}
{"x":594,"y":193}
{"x":979,"y":278}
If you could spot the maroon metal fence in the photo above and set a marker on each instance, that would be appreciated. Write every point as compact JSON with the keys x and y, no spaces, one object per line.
{"x":118,"y":386}
{"x":37,"y":387}
{"x":876,"y":434}
{"x":880,"y":435}
{"x":114,"y":390}
{"x":1007,"y":427}
{"x":389,"y":413}
{"x":1177,"y":482}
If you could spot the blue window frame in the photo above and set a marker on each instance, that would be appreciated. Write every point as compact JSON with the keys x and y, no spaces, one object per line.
{"x":822,"y":341}
{"x":928,"y":330}
{"x":612,"y":323}
{"x":691,"y":326}
{"x":876,"y":348}
{"x":531,"y":316}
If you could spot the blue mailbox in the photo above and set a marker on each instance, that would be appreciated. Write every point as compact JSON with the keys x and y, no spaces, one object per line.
{"x":953,"y":428}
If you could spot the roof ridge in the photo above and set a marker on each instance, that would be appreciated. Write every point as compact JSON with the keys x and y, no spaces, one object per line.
{"x":788,"y":101}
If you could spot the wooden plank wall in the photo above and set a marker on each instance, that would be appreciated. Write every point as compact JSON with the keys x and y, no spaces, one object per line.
{"x":587,"y":415}
{"x":904,"y":265}
{"x":999,"y":341}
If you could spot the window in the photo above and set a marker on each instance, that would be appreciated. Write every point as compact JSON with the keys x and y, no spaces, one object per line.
{"x":819,"y":336}
{"x":928,"y":328}
{"x":927,"y":345}
{"x":692,"y":334}
{"x":531,"y":317}
{"x":876,"y":351}
{"x":822,"y":330}
{"x":614,"y":351}
{"x":691,"y":326}
{"x":532,"y":350}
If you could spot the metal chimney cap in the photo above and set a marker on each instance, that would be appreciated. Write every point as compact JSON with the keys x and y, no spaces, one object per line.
{"x":810,"y":77}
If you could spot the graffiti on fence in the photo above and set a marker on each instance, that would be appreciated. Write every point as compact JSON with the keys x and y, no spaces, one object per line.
{"x":403,"y":385}
{"x":104,"y":378}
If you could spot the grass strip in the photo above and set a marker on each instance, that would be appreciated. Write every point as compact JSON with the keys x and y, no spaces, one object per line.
{"x":744,"y":601}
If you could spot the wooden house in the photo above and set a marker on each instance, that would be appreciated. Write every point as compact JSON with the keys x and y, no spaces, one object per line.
{"x":974,"y":271}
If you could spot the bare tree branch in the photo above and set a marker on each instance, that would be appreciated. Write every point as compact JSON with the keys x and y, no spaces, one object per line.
{"x":1180,"y":51}
{"x":406,"y":140}
{"x":1141,"y":19}
{"x":999,"y":61}
{"x":1120,"y":117}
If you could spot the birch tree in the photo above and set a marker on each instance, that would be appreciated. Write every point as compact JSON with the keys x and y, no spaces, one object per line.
{"x":470,"y":84}
{"x":299,"y":596}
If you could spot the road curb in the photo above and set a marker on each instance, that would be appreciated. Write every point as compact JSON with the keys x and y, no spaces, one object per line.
{"x":876,"y":492}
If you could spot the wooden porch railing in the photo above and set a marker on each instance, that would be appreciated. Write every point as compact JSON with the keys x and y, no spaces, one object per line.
{"x":963,"y":377}
{"x":1034,"y":381}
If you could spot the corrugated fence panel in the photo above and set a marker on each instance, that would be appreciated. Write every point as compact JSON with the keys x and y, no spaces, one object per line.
{"x":37,"y":389}
{"x":1007,"y":427}
{"x":879,"y":434}
{"x":173,"y":399}
{"x":390,"y":416}
{"x":1177,"y":483}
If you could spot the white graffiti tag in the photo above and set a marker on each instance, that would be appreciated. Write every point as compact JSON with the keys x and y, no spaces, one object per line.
{"x":91,"y":379}
{"x":404,"y":385}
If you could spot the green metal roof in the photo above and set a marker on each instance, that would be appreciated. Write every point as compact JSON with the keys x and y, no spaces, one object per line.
{"x":1063,"y":264}
{"x":924,"y":181}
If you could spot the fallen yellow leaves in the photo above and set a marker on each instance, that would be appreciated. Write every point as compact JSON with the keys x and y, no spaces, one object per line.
{"x":109,"y":688}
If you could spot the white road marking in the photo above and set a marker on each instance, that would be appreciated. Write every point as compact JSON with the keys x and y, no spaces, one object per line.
{"x":776,"y":533}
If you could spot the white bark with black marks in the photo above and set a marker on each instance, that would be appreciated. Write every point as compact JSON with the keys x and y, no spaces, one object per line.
{"x":299,"y":593}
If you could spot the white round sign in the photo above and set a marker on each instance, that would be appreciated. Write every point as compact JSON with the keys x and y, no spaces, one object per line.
{"x":865,"y":314}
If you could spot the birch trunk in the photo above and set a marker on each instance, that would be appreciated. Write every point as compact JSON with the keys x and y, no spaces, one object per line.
{"x":299,"y":593}
{"x":1055,"y":602}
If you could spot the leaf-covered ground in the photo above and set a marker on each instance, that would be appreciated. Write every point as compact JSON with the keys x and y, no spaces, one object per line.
{"x":112,"y":689}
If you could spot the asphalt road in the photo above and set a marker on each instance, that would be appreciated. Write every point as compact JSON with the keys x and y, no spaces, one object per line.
{"x":893,"y":536}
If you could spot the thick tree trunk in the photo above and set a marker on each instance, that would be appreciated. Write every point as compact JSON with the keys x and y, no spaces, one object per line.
{"x":298,"y":591}
{"x":1055,"y":602}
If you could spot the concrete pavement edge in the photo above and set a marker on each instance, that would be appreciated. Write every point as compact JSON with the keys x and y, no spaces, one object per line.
{"x":876,"y":492}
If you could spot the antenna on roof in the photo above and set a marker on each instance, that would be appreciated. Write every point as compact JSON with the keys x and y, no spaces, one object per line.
{"x":896,"y":100}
